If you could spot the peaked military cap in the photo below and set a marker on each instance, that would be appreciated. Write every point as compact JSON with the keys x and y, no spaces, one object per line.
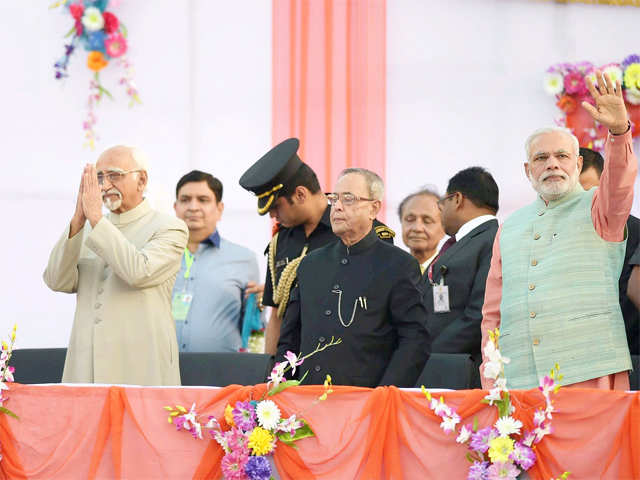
{"x":267,"y":176}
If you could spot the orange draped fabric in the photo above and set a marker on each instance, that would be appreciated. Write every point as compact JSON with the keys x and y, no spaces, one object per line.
{"x":329,"y":82}
{"x":122,"y":432}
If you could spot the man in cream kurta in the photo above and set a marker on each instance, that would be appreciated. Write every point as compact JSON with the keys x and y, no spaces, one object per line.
{"x":122,"y":267}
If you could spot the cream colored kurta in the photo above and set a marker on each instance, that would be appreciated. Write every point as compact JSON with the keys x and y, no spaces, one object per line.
{"x":123,"y":271}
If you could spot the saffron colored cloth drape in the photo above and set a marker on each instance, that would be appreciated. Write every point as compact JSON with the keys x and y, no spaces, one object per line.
{"x":384,"y":433}
{"x":329,"y":83}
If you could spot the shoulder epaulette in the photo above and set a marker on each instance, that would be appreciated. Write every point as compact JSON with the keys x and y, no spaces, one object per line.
{"x":384,"y":232}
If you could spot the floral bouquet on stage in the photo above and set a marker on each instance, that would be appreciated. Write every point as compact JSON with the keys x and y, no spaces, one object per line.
{"x":104,"y":37}
{"x":250,"y":431}
{"x":503,"y":450}
{"x":566,"y":81}
{"x":6,"y":372}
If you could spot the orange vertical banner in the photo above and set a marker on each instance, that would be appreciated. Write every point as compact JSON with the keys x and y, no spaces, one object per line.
{"x":329,"y":83}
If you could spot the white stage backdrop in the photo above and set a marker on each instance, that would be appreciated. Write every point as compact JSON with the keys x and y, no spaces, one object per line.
{"x":464,"y":88}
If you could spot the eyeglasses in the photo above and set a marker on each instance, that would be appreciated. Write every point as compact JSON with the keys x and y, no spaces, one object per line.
{"x":443,"y":199}
{"x":113,"y":176}
{"x":346,"y":198}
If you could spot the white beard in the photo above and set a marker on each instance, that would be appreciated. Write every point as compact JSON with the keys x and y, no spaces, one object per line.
{"x":555,"y":190}
{"x":110,"y":203}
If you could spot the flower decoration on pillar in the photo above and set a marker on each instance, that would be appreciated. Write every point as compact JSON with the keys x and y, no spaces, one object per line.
{"x":567,"y":82}
{"x":503,"y":450}
{"x":6,"y":373}
{"x":104,"y":37}
{"x":249,"y":431}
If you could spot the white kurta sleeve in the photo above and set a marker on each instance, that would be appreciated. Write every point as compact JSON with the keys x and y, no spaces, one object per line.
{"x":61,"y":274}
{"x":144,"y":267}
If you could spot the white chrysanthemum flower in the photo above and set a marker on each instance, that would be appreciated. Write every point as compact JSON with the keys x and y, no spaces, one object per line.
{"x":501,"y":383}
{"x":268,"y":414}
{"x":92,"y":19}
{"x":553,"y":83}
{"x":508,"y":426}
{"x":633,"y":96}
{"x":615,"y":73}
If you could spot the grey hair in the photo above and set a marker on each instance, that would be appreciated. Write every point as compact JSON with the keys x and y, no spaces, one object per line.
{"x":542,"y":131}
{"x":373,"y":180}
{"x":426,"y":191}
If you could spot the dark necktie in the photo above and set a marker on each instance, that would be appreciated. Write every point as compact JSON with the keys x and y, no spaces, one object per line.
{"x":450,"y":241}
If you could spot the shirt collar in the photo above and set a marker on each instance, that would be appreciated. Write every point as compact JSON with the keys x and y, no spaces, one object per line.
{"x":471,"y":224}
{"x":541,"y":205}
{"x":367,"y":242}
{"x":426,"y":263}
{"x":213,"y":239}
{"x":326,"y":216}
{"x":132,"y":215}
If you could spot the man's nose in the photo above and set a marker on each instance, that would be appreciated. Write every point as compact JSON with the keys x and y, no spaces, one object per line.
{"x":552,"y":163}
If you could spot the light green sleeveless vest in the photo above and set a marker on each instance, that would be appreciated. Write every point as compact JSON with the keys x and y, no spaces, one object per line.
{"x":560,"y":294}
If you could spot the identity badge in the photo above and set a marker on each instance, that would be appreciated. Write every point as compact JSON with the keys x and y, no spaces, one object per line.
{"x":180,"y":305}
{"x":440,"y":298}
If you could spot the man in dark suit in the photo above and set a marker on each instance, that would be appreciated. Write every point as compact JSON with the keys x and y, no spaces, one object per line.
{"x":288,"y":190}
{"x":361,"y":290}
{"x":592,"y":166}
{"x":455,"y":280}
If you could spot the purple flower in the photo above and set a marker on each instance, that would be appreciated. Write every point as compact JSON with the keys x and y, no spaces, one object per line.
{"x":258,"y":468}
{"x":244,"y":415}
{"x":502,"y":471}
{"x":480,"y":440}
{"x":523,"y":456}
{"x":629,"y":60}
{"x":478,"y":471}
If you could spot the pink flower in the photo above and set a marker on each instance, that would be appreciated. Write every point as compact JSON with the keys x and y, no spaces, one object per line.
{"x":574,"y":84}
{"x":233,"y":465}
{"x":116,"y":45}
{"x":111,"y":22}
{"x":293,"y":360}
{"x":77,"y":10}
{"x":79,"y":27}
{"x":500,"y":471}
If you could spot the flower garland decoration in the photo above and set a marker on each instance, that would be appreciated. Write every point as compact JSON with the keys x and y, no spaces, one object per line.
{"x":6,"y":373}
{"x":249,"y":431}
{"x":502,"y":450}
{"x":567,"y":82}
{"x":104,"y":37}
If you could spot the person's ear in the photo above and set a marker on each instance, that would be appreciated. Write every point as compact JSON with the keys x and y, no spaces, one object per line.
{"x":376,"y":205}
{"x":142,"y":181}
{"x":527,"y":172}
{"x":301,"y":194}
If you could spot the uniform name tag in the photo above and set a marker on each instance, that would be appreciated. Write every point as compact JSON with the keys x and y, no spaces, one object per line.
{"x":180,"y":305}
{"x":440,"y":298}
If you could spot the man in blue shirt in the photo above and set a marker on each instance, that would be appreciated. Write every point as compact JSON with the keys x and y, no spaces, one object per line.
{"x":208,"y":296}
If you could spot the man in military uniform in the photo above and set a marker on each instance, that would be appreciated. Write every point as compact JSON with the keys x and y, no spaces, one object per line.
{"x":289,"y":191}
{"x":361,"y":290}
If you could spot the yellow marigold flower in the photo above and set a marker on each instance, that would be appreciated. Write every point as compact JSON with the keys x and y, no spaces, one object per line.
{"x":228,"y":416}
{"x":500,"y":448}
{"x":260,"y":441}
{"x":632,"y":76}
{"x":96,"y":61}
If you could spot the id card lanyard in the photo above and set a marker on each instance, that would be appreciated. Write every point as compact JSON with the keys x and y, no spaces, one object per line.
{"x":182,"y":300}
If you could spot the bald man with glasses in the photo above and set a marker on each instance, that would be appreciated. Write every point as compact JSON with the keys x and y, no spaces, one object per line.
{"x":122,"y":267}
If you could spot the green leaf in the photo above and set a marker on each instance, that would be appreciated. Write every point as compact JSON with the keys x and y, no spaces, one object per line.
{"x":105,"y":91}
{"x":9,"y":412}
{"x":475,"y":424}
{"x":469,"y":457}
{"x":125,"y":32}
{"x":303,"y":432}
{"x":70,"y":32}
{"x":283,"y":386}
